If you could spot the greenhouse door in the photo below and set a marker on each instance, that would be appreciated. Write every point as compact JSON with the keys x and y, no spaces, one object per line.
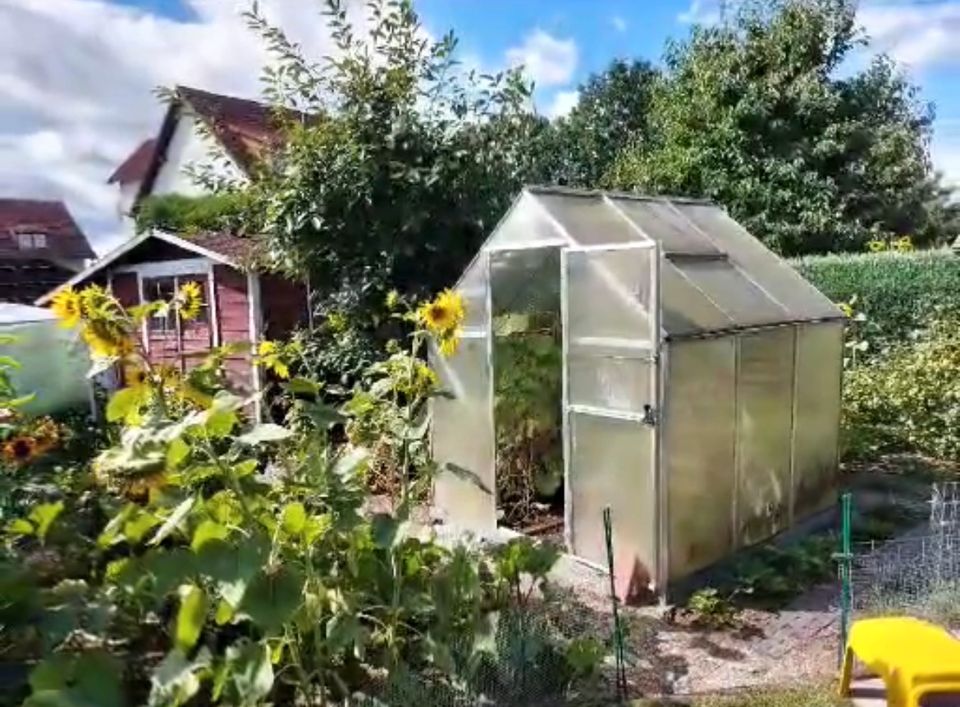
{"x":611,"y":340}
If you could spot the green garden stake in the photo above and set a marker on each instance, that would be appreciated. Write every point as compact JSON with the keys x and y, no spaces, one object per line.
{"x":845,"y":560}
{"x":618,"y":649}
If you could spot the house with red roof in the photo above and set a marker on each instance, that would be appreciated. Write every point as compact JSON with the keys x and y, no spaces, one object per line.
{"x":200,"y":128}
{"x":41,"y":246}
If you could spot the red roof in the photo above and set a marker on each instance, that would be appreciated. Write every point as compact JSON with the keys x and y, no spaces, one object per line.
{"x":135,"y":167}
{"x":239,"y":249}
{"x":64,"y":238}
{"x":245,"y":128}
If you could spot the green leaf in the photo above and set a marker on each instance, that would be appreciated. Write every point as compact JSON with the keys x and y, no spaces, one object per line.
{"x":177,"y":452}
{"x":20,"y":526}
{"x":220,"y":422}
{"x":384,"y":530}
{"x":137,"y":527}
{"x":248,"y":674}
{"x":111,"y":531}
{"x":267,"y":432}
{"x":42,"y":517}
{"x":245,"y":468}
{"x":124,"y":404}
{"x":224,"y":613}
{"x":173,"y":520}
{"x":272,"y":597}
{"x":303,"y":386}
{"x":207,"y":531}
{"x":90,"y":679}
{"x":294,"y":518}
{"x":191,"y":616}
{"x":351,"y":463}
{"x":174,"y":681}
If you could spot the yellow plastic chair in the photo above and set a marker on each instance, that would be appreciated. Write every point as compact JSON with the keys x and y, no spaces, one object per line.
{"x":914,"y":658}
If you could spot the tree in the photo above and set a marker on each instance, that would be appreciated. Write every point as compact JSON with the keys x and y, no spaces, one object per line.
{"x":405,"y":164}
{"x":610,"y":115}
{"x":756,"y":115}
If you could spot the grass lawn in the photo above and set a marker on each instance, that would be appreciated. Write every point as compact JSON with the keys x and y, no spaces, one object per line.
{"x":775,"y":697}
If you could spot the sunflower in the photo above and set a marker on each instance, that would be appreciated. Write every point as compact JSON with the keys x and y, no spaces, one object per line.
{"x":190,"y":300}
{"x":135,"y":377}
{"x":20,"y":450}
{"x":66,"y":306}
{"x":443,"y":314}
{"x":448,"y":345}
{"x":106,"y":341}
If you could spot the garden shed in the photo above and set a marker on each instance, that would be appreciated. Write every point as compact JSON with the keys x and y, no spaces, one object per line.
{"x":699,"y":379}
{"x":241,"y":304}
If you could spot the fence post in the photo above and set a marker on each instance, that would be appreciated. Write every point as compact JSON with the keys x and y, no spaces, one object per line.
{"x":845,"y":560}
{"x":618,"y":650}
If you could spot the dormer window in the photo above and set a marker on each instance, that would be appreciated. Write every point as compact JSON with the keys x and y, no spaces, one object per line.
{"x":31,"y":241}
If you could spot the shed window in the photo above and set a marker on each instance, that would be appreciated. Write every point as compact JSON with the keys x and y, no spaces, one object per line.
{"x":31,"y":241}
{"x":165,"y":289}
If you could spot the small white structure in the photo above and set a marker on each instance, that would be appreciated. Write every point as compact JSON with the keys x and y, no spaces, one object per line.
{"x":53,"y":364}
{"x":701,"y":379}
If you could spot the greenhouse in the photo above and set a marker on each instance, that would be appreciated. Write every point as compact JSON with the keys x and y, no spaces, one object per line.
{"x":643,"y":354}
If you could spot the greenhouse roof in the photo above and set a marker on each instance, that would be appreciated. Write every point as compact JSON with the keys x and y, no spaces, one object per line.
{"x":714,"y":276}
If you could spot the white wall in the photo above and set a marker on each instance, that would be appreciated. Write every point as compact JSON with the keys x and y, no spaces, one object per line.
{"x":188,"y":147}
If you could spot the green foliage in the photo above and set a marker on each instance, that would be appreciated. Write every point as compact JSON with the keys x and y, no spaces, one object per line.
{"x":897,"y":292}
{"x":775,"y":574}
{"x":406,"y":163}
{"x":527,"y":389}
{"x":201,"y":579}
{"x":184,"y":215}
{"x":906,"y":399}
{"x":611,"y":115}
{"x":710,"y":608}
{"x":757,"y":115}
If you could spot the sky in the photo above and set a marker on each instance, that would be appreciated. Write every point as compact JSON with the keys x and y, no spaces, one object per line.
{"x":77,"y":77}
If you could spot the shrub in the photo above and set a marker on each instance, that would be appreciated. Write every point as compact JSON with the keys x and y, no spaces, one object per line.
{"x":221,"y":564}
{"x":898,"y":292}
{"x":908,"y":399}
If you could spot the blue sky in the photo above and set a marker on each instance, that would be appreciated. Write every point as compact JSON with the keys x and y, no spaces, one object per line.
{"x":77,"y":76}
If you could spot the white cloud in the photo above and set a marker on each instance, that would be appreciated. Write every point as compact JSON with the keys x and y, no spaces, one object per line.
{"x":77,"y":80}
{"x":618,"y":23}
{"x":916,"y":34}
{"x":701,"y":12}
{"x":547,"y":60}
{"x":563,"y":102}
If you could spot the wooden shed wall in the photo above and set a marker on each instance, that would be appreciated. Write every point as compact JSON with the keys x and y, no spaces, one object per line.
{"x":233,"y":315}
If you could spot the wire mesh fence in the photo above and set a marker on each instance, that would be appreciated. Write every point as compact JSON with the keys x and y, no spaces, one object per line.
{"x":917,"y":574}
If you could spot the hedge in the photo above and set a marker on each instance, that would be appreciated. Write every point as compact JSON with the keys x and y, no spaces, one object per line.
{"x":900,"y":293}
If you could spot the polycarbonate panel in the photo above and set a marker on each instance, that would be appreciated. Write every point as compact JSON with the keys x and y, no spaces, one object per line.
{"x":473,"y":287}
{"x":817,"y":420}
{"x":728,"y":288}
{"x":525,"y":225}
{"x":588,"y":219}
{"x":764,"y":416}
{"x":801,"y":299}
{"x":463,"y":439}
{"x":698,"y":454}
{"x":611,"y":382}
{"x":659,"y":220}
{"x":610,"y":295}
{"x":685,"y":310}
{"x":525,"y":281}
{"x":610,"y":466}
